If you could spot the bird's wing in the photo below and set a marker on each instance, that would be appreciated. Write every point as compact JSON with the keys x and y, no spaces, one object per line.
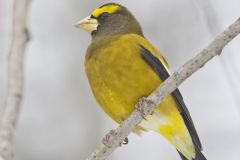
{"x":157,"y":65}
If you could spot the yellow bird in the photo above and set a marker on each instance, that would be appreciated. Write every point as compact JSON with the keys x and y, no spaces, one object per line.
{"x":122,"y":67}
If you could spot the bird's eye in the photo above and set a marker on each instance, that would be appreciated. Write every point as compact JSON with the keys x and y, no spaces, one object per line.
{"x":104,"y":16}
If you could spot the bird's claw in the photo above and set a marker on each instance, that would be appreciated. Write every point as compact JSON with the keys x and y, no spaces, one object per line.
{"x":125,"y":141}
{"x":110,"y":134}
{"x":142,"y":102}
{"x":106,"y":138}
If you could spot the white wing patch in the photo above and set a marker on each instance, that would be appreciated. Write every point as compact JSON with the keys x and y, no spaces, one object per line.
{"x":153,"y":122}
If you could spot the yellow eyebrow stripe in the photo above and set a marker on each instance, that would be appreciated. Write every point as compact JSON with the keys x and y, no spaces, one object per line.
{"x":109,"y":9}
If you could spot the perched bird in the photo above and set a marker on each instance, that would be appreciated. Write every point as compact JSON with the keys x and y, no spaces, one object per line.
{"x":122,"y":66}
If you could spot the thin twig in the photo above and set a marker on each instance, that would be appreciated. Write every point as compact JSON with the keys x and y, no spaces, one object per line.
{"x":15,"y":78}
{"x":168,"y":86}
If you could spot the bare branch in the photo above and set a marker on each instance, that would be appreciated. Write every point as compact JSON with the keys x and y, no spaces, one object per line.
{"x":15,"y":78}
{"x":168,"y":86}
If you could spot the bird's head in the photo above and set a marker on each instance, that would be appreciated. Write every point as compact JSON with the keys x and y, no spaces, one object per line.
{"x":110,"y":19}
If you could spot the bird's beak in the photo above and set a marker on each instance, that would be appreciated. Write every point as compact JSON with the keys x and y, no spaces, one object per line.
{"x":88,"y":24}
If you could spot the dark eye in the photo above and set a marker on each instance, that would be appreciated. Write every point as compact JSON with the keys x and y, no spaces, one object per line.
{"x":104,"y":15}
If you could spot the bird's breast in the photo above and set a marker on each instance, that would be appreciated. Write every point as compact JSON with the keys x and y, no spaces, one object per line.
{"x":119,"y":76}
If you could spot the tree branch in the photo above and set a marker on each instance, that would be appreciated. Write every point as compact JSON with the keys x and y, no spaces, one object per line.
{"x":15,"y":78}
{"x":168,"y":86}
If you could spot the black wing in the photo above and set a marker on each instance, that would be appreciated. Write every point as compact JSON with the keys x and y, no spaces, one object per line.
{"x":161,"y":71}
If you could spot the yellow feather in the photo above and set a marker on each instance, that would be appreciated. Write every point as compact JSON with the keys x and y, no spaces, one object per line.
{"x":108,"y":9}
{"x":119,"y":76}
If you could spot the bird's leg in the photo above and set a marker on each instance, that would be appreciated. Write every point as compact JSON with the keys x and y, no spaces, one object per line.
{"x":142,"y":102}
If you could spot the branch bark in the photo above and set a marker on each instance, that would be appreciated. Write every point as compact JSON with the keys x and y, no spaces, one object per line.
{"x":15,"y":78}
{"x":167,"y":87}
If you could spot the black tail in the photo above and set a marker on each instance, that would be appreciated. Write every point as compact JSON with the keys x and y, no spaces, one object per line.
{"x":199,"y":156}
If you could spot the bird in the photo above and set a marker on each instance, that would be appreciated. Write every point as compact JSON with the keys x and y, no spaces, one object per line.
{"x":123,"y":67}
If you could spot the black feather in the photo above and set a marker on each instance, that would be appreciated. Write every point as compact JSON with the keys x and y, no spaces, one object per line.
{"x":199,"y":155}
{"x":161,"y":71}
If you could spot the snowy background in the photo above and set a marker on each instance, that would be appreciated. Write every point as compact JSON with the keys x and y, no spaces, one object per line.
{"x":60,"y":119}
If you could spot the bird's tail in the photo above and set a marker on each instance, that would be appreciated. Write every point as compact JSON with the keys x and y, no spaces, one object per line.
{"x":199,"y":155}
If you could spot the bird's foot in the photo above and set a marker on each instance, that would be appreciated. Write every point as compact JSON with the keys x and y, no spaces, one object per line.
{"x":141,"y":106}
{"x":106,"y":138}
{"x":110,"y":134}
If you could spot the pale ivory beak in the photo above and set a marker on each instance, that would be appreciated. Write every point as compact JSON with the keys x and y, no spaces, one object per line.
{"x":88,"y":24}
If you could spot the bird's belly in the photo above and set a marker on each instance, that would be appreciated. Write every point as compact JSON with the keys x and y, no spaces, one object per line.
{"x":119,"y":77}
{"x":119,"y":85}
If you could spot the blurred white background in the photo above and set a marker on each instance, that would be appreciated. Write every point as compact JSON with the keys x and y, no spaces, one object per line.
{"x":60,"y":119}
